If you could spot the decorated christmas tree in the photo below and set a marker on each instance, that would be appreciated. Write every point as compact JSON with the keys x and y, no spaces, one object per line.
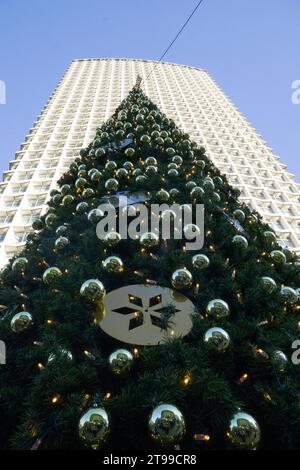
{"x":118,"y":342}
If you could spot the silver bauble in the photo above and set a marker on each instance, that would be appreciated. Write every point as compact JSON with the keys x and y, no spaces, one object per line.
{"x":218,"y":308}
{"x":279,"y":360}
{"x":95,"y":215}
{"x":19,"y":265}
{"x":93,"y":290}
{"x":166,"y":425}
{"x":21,"y":322}
{"x":51,"y":274}
{"x":111,"y":184}
{"x":120,"y":362}
{"x":269,"y":284}
{"x":112,"y":238}
{"x":181,"y":279}
{"x":113,"y":264}
{"x":240,"y":241}
{"x":149,"y":239}
{"x":243,"y":432}
{"x":217,"y":339}
{"x":61,"y":243}
{"x":94,"y":428}
{"x":289,"y":294}
{"x":278,"y":257}
{"x":200,"y":261}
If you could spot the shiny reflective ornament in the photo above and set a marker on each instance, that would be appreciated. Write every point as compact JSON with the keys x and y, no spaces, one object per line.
{"x":37,"y":224}
{"x":240,"y":241}
{"x":111,"y":165}
{"x":94,"y":428}
{"x":61,"y":243}
{"x":96,"y":176}
{"x":174,"y":192}
{"x":190,"y":185}
{"x":163,"y":195}
{"x":168,"y":214}
{"x":177,"y":159}
{"x":243,"y":432}
{"x":270,"y":236}
{"x":191,"y":231}
{"x":218,"y":308}
{"x":88,"y":193}
{"x":145,"y":139}
{"x":19,"y":265}
{"x":141,"y":179}
{"x":129,"y":152}
{"x":151,"y":170}
{"x":217,"y":339}
{"x":100,"y":152}
{"x":61,"y":230}
{"x":112,"y":238}
{"x":121,"y":173}
{"x":215,"y":197}
{"x":93,"y":290}
{"x":186,"y":209}
{"x":21,"y":322}
{"x":151,"y":161}
{"x":239,"y":215}
{"x":80,"y":183}
{"x":252,"y":218}
{"x":279,"y":360}
{"x":120,"y":362}
{"x":166,"y":425}
{"x":128,"y":166}
{"x":197,"y":193}
{"x":50,"y":219}
{"x":51,"y":274}
{"x":278,"y":257}
{"x":200,"y":261}
{"x":149,"y":239}
{"x":172,"y":173}
{"x":95,"y":215}
{"x":289,"y":294}
{"x":172,"y":166}
{"x":67,"y":200}
{"x":111,"y":184}
{"x":82,"y":207}
{"x":137,"y":172}
{"x":269,"y":284}
{"x":170,"y":151}
{"x":200,"y":164}
{"x":181,"y":279}
{"x":65,"y":189}
{"x":60,"y":354}
{"x":113,"y":264}
{"x":208,"y":185}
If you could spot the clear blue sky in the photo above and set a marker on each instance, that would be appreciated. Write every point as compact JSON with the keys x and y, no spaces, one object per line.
{"x":251,"y":48}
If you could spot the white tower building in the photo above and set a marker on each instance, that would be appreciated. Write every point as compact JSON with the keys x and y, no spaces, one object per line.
{"x":88,"y":94}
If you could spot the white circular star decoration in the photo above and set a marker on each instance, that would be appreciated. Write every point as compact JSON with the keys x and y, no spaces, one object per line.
{"x":135,"y":314}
